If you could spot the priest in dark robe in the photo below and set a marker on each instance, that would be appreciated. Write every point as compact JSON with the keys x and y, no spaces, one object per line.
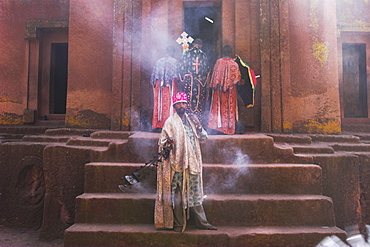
{"x":164,"y":81}
{"x":194,"y":70}
{"x":224,"y":106}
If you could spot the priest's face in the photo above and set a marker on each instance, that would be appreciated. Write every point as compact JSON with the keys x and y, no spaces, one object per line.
{"x":180,"y":108}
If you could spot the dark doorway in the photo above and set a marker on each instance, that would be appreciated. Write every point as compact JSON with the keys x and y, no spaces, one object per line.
{"x":58,"y":77}
{"x":202,"y":20}
{"x":53,"y":68}
{"x":354,"y":91}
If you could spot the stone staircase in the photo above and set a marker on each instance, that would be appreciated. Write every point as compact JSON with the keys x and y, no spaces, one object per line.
{"x":258,"y":194}
{"x":345,"y":161}
{"x":262,"y":189}
{"x":13,"y":134}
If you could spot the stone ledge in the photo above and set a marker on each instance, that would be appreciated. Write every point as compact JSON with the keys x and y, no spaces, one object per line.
{"x":146,"y":235}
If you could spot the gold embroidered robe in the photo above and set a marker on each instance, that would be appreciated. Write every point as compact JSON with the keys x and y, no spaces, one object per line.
{"x":183,"y":158}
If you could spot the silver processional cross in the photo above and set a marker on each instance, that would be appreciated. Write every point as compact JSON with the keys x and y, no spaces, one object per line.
{"x":184,"y":40}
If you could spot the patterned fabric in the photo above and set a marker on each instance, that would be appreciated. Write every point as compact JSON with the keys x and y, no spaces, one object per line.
{"x":189,"y":132}
{"x":165,"y":70}
{"x":195,"y":62}
{"x":180,"y":97}
{"x":194,"y":70}
{"x":225,"y":74}
{"x":185,"y":158}
{"x":162,"y":107}
{"x":164,"y":76}
{"x":224,"y":107}
{"x":195,"y":195}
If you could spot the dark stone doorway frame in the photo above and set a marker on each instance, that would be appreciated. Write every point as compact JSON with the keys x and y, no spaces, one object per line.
{"x":209,"y":30}
{"x":349,"y":42}
{"x":39,"y":93}
{"x":355,"y":100}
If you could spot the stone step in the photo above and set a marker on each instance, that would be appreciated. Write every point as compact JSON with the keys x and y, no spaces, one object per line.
{"x":226,"y":209}
{"x":45,"y":138}
{"x":146,"y":235}
{"x":217,"y":178}
{"x":313,"y":149}
{"x":104,"y":134}
{"x":87,"y":141}
{"x":354,"y":147}
{"x":302,"y":139}
{"x":5,"y":137}
{"x":334,"y":138}
{"x":309,"y":138}
{"x":362,"y":136}
{"x":25,"y":130}
{"x":69,"y":132}
{"x":11,"y":136}
{"x":96,"y":134}
{"x":221,"y":149}
{"x":73,"y":140}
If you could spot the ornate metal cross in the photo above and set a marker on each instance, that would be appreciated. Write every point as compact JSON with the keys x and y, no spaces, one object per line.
{"x":184,"y":40}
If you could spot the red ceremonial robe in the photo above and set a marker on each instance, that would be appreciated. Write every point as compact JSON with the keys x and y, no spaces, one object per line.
{"x":162,"y":103}
{"x":163,"y":78}
{"x":224,"y":107}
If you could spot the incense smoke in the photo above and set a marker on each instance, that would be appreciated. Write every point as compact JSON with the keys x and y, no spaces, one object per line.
{"x":240,"y":157}
{"x":230,"y":178}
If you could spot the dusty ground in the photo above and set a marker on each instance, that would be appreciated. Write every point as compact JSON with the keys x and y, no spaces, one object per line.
{"x":24,"y":238}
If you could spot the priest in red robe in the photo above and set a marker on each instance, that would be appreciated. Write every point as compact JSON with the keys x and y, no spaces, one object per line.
{"x":163,"y":79}
{"x":224,"y":107}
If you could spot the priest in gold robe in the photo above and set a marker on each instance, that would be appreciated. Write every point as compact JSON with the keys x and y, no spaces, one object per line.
{"x":179,"y":177}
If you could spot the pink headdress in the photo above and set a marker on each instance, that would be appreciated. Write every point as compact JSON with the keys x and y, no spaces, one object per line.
{"x":179,"y":97}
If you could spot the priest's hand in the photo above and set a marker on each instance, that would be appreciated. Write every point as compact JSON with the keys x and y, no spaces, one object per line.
{"x":170,"y":141}
{"x":195,"y":120}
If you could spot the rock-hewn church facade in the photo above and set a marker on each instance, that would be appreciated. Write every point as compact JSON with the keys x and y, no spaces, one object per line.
{"x":88,"y":62}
